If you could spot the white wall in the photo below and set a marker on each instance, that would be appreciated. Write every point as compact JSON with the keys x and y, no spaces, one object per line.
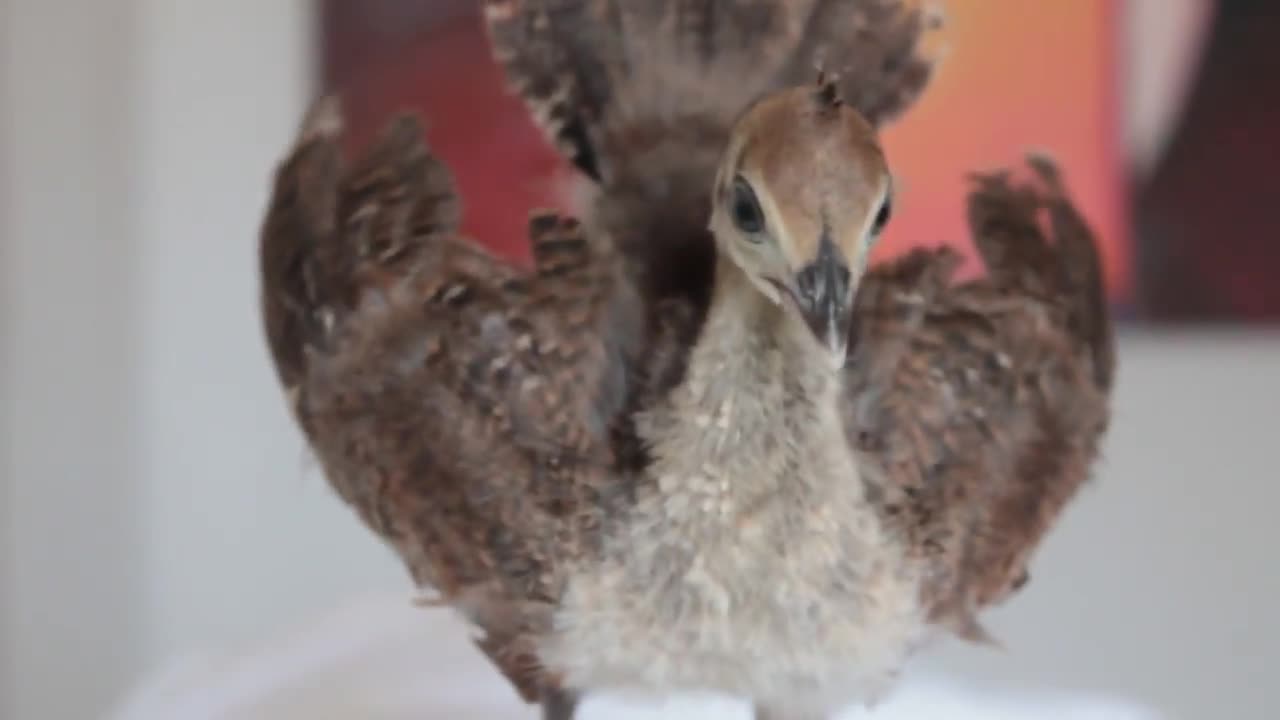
{"x":70,"y":347}
{"x":154,"y":491}
{"x":156,"y":499}
{"x":231,"y":534}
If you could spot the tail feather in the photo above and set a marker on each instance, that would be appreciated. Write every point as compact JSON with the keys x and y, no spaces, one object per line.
{"x":559,"y":63}
{"x":333,"y":231}
{"x":1060,"y":264}
{"x":642,"y":97}
{"x":591,"y":70}
{"x":878,"y":48}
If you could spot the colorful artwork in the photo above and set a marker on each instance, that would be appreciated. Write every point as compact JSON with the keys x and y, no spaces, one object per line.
{"x":1206,"y":227}
{"x":1178,"y":243}
{"x":1016,"y":76}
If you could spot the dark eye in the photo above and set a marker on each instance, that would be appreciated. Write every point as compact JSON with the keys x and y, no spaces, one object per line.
{"x":882,"y":217}
{"x":747,"y":215}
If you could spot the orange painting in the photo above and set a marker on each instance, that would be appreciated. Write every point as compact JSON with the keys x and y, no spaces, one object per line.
{"x":1015,"y":76}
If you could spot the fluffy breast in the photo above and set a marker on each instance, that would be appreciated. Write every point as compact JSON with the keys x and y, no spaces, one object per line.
{"x":750,"y":564}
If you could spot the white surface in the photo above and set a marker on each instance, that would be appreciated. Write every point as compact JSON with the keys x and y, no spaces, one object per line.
{"x":231,"y":513}
{"x":156,"y":500}
{"x":70,"y":548}
{"x":380,"y":659}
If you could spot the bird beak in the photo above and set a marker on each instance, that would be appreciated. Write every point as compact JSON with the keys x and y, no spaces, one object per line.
{"x":821,"y":292}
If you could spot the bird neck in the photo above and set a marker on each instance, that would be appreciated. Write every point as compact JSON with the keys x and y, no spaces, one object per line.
{"x":752,"y":339}
{"x":753,"y":398}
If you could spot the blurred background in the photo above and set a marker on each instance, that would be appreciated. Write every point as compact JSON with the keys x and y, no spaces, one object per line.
{"x":159,"y":514}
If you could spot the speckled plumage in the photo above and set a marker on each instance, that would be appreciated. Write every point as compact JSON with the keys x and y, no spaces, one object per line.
{"x":631,"y":465}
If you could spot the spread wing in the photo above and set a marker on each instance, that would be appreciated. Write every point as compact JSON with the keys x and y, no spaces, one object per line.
{"x":977,"y":408}
{"x":461,"y":405}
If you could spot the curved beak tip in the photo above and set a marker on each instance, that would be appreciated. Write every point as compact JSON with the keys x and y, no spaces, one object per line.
{"x":823,"y":295}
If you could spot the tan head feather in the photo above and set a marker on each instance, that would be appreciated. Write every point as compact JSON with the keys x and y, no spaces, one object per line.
{"x":802,"y":194}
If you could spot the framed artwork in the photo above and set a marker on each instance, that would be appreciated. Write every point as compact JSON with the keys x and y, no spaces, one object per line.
{"x":1164,"y":134}
{"x":1205,"y":226}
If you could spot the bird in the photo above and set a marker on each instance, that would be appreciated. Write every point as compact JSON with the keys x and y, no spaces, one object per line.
{"x":701,"y":443}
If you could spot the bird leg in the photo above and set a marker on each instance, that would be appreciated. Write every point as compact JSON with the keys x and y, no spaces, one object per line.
{"x":559,"y":705}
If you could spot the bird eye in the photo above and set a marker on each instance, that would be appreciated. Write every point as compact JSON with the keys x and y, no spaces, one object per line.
{"x":747,"y":215}
{"x":882,"y":217}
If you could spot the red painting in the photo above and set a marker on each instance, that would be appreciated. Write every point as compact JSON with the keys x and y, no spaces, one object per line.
{"x":1186,"y":237}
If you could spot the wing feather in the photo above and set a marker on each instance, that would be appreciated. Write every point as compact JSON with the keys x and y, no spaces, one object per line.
{"x":464,"y":407}
{"x":978,"y":407}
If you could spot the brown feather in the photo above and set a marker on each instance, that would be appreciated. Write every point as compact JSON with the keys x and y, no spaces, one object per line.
{"x":982,"y":404}
{"x":462,"y":406}
{"x":578,"y":63}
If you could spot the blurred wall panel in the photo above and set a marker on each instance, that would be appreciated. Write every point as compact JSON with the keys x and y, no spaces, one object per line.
{"x":1206,"y":220}
{"x":240,"y":534}
{"x":1163,"y":42}
{"x":157,"y":502}
{"x":72,"y":628}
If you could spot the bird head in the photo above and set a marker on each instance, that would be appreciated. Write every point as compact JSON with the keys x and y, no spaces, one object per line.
{"x":801,"y":195}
